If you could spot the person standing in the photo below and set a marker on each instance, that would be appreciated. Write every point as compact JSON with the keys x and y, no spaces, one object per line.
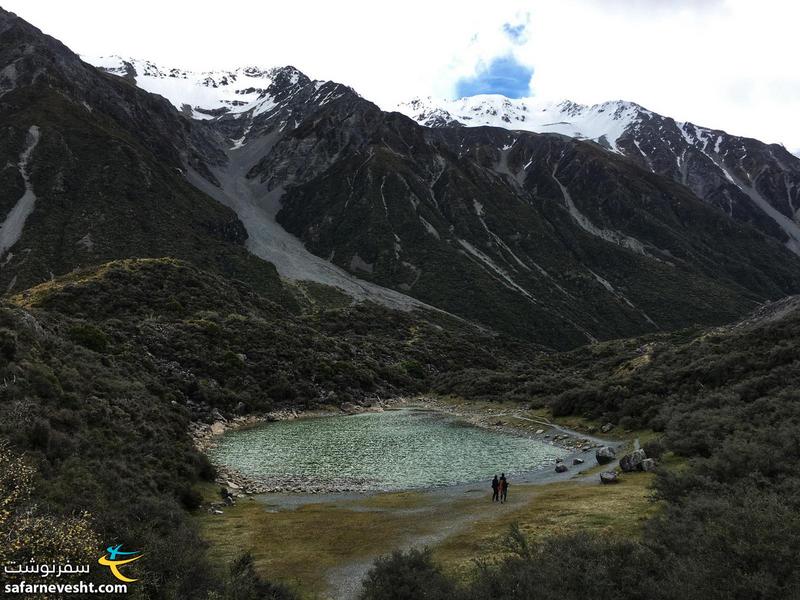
{"x":503,"y":488}
{"x":495,"y":489}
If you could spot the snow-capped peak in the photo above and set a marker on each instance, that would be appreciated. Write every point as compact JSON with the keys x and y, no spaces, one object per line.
{"x":603,"y":123}
{"x":201,"y":95}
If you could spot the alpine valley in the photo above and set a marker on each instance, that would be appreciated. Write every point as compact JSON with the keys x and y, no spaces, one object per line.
{"x":183,"y":248}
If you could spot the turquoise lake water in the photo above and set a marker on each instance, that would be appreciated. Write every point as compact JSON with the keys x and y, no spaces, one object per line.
{"x":391,"y":450}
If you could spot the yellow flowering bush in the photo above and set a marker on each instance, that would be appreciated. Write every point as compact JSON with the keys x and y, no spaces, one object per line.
{"x":27,"y":533}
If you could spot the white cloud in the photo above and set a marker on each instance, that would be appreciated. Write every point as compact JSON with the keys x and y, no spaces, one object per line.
{"x":721,"y":63}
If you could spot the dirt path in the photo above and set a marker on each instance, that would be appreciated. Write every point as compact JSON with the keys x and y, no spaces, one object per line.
{"x":345,"y":581}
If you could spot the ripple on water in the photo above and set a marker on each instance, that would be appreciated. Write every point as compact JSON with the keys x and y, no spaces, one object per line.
{"x":391,"y":450}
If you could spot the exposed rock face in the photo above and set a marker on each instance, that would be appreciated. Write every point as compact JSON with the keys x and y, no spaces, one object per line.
{"x":605,"y":455}
{"x":753,"y":182}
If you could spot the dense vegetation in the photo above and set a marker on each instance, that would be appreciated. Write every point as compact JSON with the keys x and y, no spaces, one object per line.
{"x":103,"y":370}
{"x":724,"y":399}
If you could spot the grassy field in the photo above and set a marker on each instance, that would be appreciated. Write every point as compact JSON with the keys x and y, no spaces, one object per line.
{"x":301,"y":545}
{"x":551,"y":510}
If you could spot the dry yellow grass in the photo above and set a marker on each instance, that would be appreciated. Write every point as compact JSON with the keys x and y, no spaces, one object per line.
{"x":299,"y":546}
{"x":555,"y":509}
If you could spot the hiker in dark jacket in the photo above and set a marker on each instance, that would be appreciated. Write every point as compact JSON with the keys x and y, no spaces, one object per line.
{"x":495,"y":489}
{"x":503,"y":488}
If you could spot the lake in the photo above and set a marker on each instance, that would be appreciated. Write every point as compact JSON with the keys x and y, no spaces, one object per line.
{"x":382,"y":451}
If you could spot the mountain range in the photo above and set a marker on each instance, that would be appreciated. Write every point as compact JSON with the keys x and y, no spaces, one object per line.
{"x":269,"y":177}
{"x":753,"y":182}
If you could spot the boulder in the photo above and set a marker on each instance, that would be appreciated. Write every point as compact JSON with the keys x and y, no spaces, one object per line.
{"x":539,"y":431}
{"x":609,"y":477}
{"x":605,"y":455}
{"x":633,"y":461}
{"x":561,"y":468}
{"x":218,"y":428}
{"x":648,"y":464}
{"x":607,"y":427}
{"x":577,"y":461}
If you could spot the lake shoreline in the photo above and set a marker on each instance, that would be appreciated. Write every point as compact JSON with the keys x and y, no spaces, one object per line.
{"x":579,"y":445}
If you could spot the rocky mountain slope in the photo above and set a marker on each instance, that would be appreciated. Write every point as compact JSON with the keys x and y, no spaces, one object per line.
{"x":474,"y":222}
{"x":752,"y":182}
{"x":110,"y":176}
{"x":93,"y":169}
{"x":547,"y":237}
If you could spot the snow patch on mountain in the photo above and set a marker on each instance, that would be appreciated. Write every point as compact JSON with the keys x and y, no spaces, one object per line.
{"x":203,"y":95}
{"x":603,"y":123}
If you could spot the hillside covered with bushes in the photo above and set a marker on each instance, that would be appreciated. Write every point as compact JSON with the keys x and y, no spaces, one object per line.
{"x":103,"y":371}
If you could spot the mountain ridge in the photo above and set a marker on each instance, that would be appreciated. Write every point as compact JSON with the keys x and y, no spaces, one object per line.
{"x":753,"y":182}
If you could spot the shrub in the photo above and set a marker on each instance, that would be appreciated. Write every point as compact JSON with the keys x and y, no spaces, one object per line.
{"x":408,"y":575}
{"x":88,"y":336}
{"x":8,"y":343}
{"x":245,"y":584}
{"x":190,"y":498}
{"x":653,"y":449}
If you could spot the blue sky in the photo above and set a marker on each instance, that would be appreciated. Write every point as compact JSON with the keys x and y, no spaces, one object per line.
{"x":503,"y":75}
